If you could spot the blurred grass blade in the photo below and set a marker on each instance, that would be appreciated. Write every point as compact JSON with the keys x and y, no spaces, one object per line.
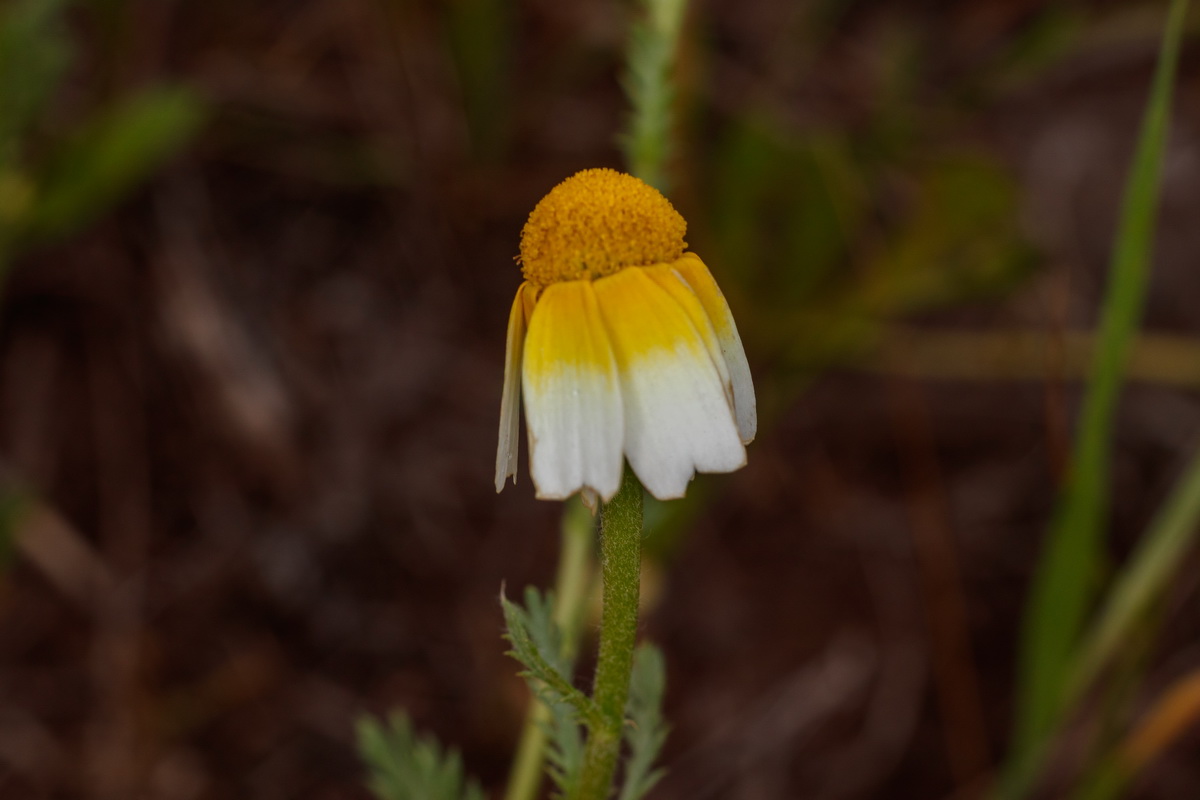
{"x":480,"y":33}
{"x":1065,"y":581}
{"x":1176,"y":712}
{"x":13,"y":505}
{"x":404,"y":766}
{"x":110,"y":156}
{"x":1145,"y":579}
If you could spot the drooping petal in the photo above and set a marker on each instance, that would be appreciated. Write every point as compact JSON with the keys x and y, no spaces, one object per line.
{"x":701,"y":280}
{"x":510,"y":399}
{"x":573,"y":407}
{"x":666,"y":276}
{"x":677,"y":417}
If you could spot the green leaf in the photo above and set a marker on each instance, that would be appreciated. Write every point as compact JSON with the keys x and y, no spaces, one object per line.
{"x":961,"y":240}
{"x":1066,"y":578}
{"x":109,"y":157}
{"x":403,"y":766}
{"x":646,"y":730}
{"x":537,"y":644}
{"x":564,"y":756}
{"x":557,"y":723}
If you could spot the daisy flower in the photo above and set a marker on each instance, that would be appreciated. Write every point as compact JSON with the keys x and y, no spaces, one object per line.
{"x":622,"y":346}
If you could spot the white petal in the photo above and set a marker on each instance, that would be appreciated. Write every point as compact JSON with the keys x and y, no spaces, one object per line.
{"x":677,"y":417}
{"x":510,"y":398}
{"x":701,"y":280}
{"x":572,"y":397}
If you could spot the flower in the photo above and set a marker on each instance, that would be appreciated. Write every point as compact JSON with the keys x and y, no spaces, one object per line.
{"x":623,"y":347}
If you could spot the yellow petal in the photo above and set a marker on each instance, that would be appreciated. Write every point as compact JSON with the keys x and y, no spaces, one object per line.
{"x":573,"y":407}
{"x":510,"y":398}
{"x":666,"y":276}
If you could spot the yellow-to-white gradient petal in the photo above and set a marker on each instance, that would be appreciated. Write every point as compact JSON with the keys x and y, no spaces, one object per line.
{"x":573,"y":407}
{"x":677,"y":417}
{"x":666,"y":276}
{"x":510,"y":399}
{"x":701,"y":280}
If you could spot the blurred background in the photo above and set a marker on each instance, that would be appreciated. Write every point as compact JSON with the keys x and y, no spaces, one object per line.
{"x":256,"y":264}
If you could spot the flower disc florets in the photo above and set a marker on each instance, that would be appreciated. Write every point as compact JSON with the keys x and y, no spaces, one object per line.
{"x":598,"y":222}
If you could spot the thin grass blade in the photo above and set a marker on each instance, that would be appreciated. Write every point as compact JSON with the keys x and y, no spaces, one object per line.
{"x":1066,"y":578}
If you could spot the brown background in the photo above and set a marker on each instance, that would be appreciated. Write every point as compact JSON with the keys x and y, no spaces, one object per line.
{"x":257,"y":401}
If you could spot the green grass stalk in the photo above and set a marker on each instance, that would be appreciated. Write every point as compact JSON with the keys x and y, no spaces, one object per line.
{"x":1143,"y":582}
{"x":1066,"y":577}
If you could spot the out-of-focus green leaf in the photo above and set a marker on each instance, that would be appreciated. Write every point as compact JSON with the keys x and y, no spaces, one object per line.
{"x":785,"y":209}
{"x":746,"y":155}
{"x":826,"y":216}
{"x":480,"y":34}
{"x":13,"y":503}
{"x":646,"y":731}
{"x":109,"y":156}
{"x":564,"y":756}
{"x":899,"y":116}
{"x":960,"y":242}
{"x":1051,"y":35}
{"x":404,"y":766}
{"x":34,"y":52}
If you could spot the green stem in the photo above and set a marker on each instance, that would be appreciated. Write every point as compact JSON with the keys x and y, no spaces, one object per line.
{"x":653,"y":43}
{"x":620,"y":566}
{"x":571,"y":588}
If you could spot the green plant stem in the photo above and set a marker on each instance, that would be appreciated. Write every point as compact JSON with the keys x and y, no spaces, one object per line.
{"x":571,"y":588}
{"x":653,"y":43}
{"x":620,"y":566}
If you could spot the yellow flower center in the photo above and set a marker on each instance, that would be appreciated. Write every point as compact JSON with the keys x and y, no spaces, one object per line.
{"x":598,"y":222}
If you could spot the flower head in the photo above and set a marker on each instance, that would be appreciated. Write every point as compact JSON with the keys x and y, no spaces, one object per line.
{"x":597,"y":223}
{"x":623,"y":348}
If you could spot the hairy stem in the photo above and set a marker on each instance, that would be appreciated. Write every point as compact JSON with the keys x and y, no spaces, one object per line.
{"x":620,"y":565}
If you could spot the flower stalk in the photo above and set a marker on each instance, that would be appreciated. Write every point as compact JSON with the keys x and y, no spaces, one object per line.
{"x":620,"y":567}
